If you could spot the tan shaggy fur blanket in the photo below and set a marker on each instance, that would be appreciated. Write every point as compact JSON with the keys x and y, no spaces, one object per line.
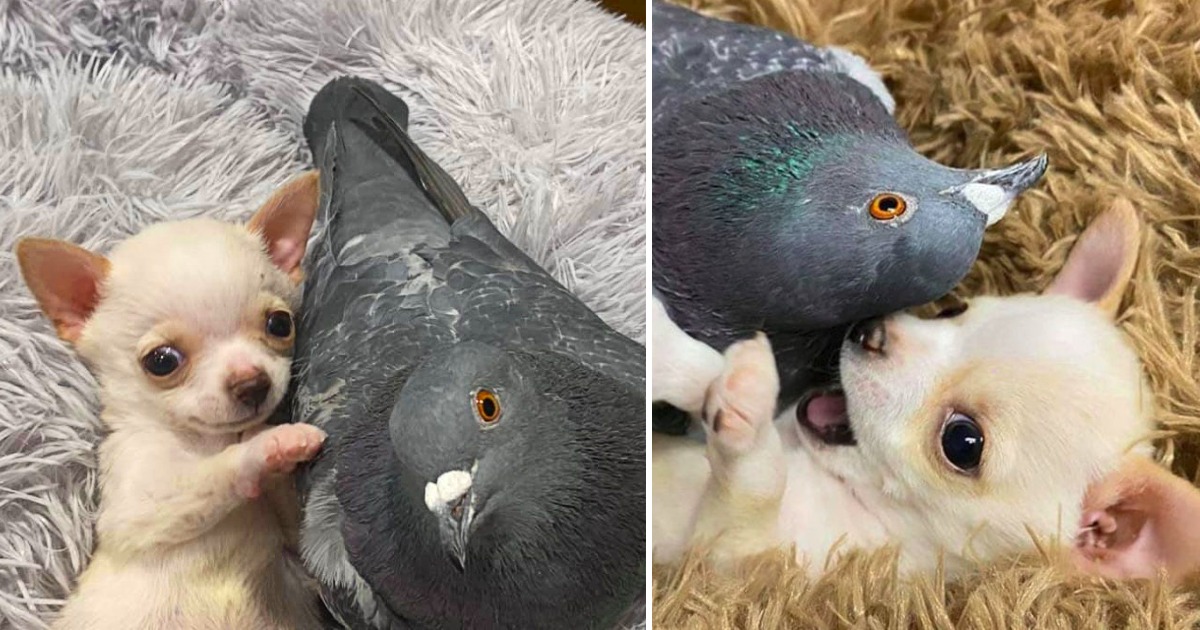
{"x":1109,"y":90}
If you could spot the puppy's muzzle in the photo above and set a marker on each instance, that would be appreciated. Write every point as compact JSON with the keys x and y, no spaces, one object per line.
{"x":251,"y":390}
{"x":870,"y":335}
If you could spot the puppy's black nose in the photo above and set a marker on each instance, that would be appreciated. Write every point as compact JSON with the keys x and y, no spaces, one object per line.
{"x":870,"y":335}
{"x":251,"y":391}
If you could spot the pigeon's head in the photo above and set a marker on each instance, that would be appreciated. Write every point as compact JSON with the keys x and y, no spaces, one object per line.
{"x":813,"y":207}
{"x":877,"y":227}
{"x":516,"y":455}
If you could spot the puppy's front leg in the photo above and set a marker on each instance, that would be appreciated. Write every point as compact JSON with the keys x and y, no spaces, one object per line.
{"x":191,"y":502}
{"x":739,"y":512}
{"x":683,"y":367}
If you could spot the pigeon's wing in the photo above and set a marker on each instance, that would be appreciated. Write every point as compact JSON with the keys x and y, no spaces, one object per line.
{"x":389,"y":203}
{"x":694,"y":55}
{"x":506,"y":299}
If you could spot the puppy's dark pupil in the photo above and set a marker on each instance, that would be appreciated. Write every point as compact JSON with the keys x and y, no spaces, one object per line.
{"x":279,"y":324}
{"x":161,"y":361}
{"x":962,"y":443}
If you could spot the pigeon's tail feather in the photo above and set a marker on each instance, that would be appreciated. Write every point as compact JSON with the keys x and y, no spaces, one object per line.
{"x":381,"y":195}
{"x":338,"y":100}
{"x":442,"y":190}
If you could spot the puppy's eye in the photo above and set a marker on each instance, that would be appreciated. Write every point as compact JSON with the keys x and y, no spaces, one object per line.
{"x":887,"y":206}
{"x":162,"y":361}
{"x":962,"y":443}
{"x":487,"y":406}
{"x":954,"y":310}
{"x":279,"y":324}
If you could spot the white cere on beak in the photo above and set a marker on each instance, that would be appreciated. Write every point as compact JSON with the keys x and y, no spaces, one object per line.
{"x":448,"y":488}
{"x":993,"y":201}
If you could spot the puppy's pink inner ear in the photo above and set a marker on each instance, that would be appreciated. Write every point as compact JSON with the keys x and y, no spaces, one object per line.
{"x":1141,"y":519}
{"x":1120,"y":543}
{"x":285,"y":221}
{"x":65,"y":279}
{"x":1089,"y":272}
{"x":1102,"y":261}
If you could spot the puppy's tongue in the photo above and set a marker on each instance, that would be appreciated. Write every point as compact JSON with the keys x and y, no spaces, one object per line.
{"x":824,"y":415}
{"x":826,"y":412}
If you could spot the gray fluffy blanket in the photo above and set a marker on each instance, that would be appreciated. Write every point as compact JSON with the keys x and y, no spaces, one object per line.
{"x":115,"y":114}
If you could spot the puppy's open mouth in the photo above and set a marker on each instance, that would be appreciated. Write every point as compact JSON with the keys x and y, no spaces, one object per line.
{"x":822,"y":413}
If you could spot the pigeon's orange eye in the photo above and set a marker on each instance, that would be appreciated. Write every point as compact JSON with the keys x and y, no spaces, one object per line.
{"x":888,"y":206}
{"x":487,"y":406}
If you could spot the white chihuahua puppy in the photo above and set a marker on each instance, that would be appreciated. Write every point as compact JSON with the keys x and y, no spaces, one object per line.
{"x":188,"y":327}
{"x":961,"y":438}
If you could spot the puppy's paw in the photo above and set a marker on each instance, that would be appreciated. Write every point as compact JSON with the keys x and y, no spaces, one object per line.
{"x":741,"y":402}
{"x":289,"y":444}
{"x":276,"y":451}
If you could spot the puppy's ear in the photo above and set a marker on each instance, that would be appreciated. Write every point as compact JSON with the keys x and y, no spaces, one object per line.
{"x":285,"y":220}
{"x":65,"y":279}
{"x":1101,"y":263}
{"x":1138,"y":520}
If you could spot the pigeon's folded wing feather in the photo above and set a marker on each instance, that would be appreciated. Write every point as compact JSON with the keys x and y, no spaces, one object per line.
{"x":694,"y":55}
{"x":345,"y":594}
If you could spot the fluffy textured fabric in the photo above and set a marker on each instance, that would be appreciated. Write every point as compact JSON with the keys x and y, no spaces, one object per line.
{"x":114,"y":115}
{"x":1108,"y":88}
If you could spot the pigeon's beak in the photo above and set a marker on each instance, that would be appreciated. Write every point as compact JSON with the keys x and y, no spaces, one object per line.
{"x":455,"y":529}
{"x":451,"y":499}
{"x":992,"y":191}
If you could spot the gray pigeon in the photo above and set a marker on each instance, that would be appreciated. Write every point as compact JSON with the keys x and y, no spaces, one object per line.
{"x":485,"y":465}
{"x":786,"y":198}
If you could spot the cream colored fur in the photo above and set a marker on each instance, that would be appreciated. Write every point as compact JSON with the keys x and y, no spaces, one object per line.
{"x":682,"y":367}
{"x":197,"y":516}
{"x":1057,"y":389}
